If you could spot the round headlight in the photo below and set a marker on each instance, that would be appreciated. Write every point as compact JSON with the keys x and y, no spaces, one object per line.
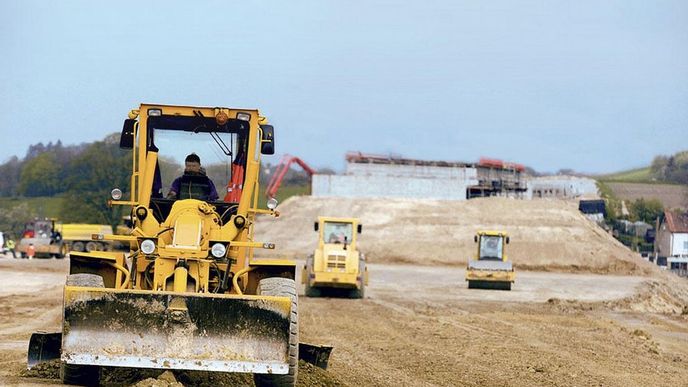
{"x":221,"y":118}
{"x":116,"y":194}
{"x":239,"y":221}
{"x":272,"y":203}
{"x":218,"y":250}
{"x":141,"y":213}
{"x":147,"y":246}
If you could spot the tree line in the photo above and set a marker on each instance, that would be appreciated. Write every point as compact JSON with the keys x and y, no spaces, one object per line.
{"x":82,"y":174}
{"x":671,"y":169}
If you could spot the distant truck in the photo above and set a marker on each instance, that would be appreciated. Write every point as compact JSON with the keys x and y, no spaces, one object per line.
{"x":336,"y":264}
{"x":52,"y":239}
{"x":78,"y":237}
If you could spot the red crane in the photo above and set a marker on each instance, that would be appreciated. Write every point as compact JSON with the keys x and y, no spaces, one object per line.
{"x":281,"y":171}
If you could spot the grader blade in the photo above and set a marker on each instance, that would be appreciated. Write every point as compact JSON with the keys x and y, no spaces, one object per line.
{"x":318,"y":355}
{"x":43,"y":347}
{"x":208,"y":332}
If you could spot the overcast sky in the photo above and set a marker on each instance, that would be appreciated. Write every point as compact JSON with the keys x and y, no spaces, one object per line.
{"x":597,"y":86}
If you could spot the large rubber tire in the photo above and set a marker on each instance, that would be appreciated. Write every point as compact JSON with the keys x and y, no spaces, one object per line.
{"x":360,"y":292}
{"x":92,"y":246}
{"x":80,"y":375}
{"x":282,"y":287}
{"x":310,"y":291}
{"x":78,"y":246}
{"x":62,"y":251}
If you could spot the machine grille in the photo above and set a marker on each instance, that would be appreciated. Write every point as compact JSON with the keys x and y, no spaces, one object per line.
{"x":336,"y":262}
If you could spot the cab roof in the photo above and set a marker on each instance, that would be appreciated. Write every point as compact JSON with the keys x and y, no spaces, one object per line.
{"x":492,"y":233}
{"x":340,"y":220}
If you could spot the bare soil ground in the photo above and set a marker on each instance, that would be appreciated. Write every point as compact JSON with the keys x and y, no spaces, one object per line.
{"x":588,"y":311}
{"x":671,"y":195}
{"x":549,"y":235}
{"x":420,"y":325}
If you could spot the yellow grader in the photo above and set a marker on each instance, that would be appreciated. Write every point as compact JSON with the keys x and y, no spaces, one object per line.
{"x":190,"y":294}
{"x":491,"y":269}
{"x":336,"y":265}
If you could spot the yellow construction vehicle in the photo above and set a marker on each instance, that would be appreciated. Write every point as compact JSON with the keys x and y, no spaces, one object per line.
{"x":490,"y":269}
{"x":78,"y":237}
{"x":190,"y":294}
{"x":45,"y":235}
{"x":51,"y":238}
{"x":336,"y":266}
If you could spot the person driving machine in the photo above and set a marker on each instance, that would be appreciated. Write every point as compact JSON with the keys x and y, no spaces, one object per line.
{"x":194,"y":183}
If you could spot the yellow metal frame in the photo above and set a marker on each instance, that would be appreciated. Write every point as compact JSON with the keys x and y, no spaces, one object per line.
{"x":192,"y":214}
{"x":490,"y":275}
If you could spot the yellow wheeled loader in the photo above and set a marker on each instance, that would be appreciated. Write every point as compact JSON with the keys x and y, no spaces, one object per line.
{"x":490,"y":269}
{"x":190,"y":294}
{"x":336,"y":266}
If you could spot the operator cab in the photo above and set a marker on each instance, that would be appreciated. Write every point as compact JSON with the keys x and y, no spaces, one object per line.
{"x":221,"y":150}
{"x":338,"y":232}
{"x":41,"y":228}
{"x":491,"y":247}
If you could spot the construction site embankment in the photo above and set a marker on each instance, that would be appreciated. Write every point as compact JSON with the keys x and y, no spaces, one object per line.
{"x":546,"y":234}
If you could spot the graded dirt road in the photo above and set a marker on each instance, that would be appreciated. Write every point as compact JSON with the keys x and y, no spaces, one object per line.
{"x":437,"y":332}
{"x":30,"y":299}
{"x":420,"y":325}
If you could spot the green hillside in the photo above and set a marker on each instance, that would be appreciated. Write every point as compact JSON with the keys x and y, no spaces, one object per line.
{"x":38,"y":206}
{"x":285,"y":192}
{"x":639,"y":175}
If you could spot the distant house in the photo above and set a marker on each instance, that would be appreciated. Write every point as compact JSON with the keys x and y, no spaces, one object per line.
{"x":671,"y":242}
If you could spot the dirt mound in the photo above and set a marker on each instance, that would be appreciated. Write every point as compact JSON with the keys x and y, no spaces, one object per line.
{"x":46,"y":370}
{"x":545,"y":234}
{"x":667,"y":294}
{"x":310,"y":375}
{"x":166,"y":379}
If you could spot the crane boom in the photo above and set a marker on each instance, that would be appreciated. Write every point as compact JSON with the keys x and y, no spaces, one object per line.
{"x":281,"y":171}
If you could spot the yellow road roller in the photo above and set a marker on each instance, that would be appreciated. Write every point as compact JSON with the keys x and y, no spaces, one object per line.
{"x":336,"y":266}
{"x":490,"y":269}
